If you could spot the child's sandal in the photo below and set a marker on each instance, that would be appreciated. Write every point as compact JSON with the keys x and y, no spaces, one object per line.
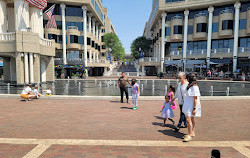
{"x":187,"y":138}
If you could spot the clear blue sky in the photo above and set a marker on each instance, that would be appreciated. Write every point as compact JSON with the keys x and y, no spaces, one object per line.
{"x":129,"y":18}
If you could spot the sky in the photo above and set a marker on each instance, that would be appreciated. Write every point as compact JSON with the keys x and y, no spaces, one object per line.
{"x":129,"y":18}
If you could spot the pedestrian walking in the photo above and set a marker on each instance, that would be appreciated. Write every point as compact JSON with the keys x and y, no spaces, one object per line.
{"x":192,"y":105}
{"x":180,"y":94}
{"x":166,"y":111}
{"x":122,"y":83}
{"x":135,"y":93}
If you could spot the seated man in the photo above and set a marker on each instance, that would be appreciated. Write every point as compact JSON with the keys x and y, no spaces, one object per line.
{"x":27,"y":93}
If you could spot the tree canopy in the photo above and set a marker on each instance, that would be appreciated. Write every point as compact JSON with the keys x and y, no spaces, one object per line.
{"x":112,"y":41}
{"x":144,"y":44}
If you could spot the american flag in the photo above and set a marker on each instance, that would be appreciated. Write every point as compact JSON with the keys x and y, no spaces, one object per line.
{"x":50,"y":11}
{"x":41,"y":4}
{"x":51,"y":23}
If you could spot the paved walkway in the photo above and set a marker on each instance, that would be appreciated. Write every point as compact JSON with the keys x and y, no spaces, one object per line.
{"x":82,"y":128}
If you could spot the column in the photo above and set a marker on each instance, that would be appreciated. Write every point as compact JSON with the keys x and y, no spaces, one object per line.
{"x":90,"y":21}
{"x":163,"y":18}
{"x":21,"y":15}
{"x":186,"y":12}
{"x":26,"y":68}
{"x":93,"y":29}
{"x":63,"y":7}
{"x":35,"y":21}
{"x":3,"y":16}
{"x":159,"y":51}
{"x":236,"y":34}
{"x":143,"y":69}
{"x":31,"y":68}
{"x":97,"y":28}
{"x":84,"y":9}
{"x":209,"y":37}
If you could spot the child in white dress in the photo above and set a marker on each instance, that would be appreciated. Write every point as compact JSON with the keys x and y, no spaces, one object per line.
{"x":166,"y":111}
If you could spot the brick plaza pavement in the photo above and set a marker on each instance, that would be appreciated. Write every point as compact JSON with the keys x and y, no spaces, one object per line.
{"x":80,"y":128}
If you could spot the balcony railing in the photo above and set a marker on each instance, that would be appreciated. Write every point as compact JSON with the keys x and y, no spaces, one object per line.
{"x":72,"y":27}
{"x":46,"y":42}
{"x":226,"y":11}
{"x":222,"y":51}
{"x":149,"y":59}
{"x":200,"y":14}
{"x":244,"y":50}
{"x":176,"y":52}
{"x":79,"y":61}
{"x":8,"y":36}
{"x":176,"y":17}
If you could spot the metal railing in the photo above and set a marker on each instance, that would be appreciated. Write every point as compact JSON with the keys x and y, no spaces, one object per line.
{"x":176,"y":17}
{"x":244,"y":50}
{"x":222,"y":51}
{"x":200,"y":14}
{"x":149,"y":59}
{"x":176,"y":52}
{"x":226,"y":11}
{"x":197,"y":52}
{"x":8,"y":36}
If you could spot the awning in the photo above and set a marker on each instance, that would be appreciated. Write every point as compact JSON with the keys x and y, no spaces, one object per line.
{"x":173,"y":62}
{"x":220,"y":61}
{"x":195,"y":62}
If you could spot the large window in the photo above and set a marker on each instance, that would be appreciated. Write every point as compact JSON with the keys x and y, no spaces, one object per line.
{"x":243,"y":24}
{"x":190,"y":29}
{"x":73,"y":11}
{"x":178,"y":29}
{"x":59,"y":39}
{"x":220,"y":44}
{"x":73,"y":39}
{"x":227,"y":24}
{"x":175,"y":46}
{"x":57,"y":10}
{"x":80,"y":40}
{"x":244,"y":42}
{"x":198,"y":45}
{"x":168,"y":31}
{"x":201,"y":27}
{"x":79,"y":25}
{"x":215,"y":27}
{"x":244,"y":6}
{"x":52,"y":36}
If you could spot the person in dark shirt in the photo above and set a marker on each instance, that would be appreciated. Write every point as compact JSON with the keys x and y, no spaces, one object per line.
{"x":122,"y":83}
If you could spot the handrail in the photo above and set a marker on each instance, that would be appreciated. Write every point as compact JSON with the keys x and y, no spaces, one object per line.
{"x":8,"y":36}
{"x":46,"y":42}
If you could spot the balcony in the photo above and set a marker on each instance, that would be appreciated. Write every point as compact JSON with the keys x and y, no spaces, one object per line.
{"x":72,"y":27}
{"x":149,"y":59}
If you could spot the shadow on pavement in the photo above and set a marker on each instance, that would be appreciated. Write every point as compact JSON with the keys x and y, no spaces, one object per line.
{"x":158,"y":117}
{"x":172,"y":133}
{"x":126,"y":108}
{"x":115,"y":102}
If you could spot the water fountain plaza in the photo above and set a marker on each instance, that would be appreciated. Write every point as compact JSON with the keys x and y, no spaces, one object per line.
{"x":148,"y":88}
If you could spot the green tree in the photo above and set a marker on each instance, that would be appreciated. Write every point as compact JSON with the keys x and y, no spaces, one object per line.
{"x":112,"y":41}
{"x":144,"y":44}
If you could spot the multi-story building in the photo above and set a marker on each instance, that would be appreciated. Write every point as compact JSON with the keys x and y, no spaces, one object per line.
{"x":27,"y":56}
{"x":79,"y":33}
{"x":189,"y":32}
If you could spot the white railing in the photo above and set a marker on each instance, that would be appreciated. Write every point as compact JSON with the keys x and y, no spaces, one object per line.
{"x":8,"y":36}
{"x":200,"y":14}
{"x":99,"y":61}
{"x":149,"y":59}
{"x":128,"y":74}
{"x":176,"y":52}
{"x":176,"y":17}
{"x":244,"y":50}
{"x":226,"y":11}
{"x":72,"y":27}
{"x":46,"y":42}
{"x":197,"y":52}
{"x":222,"y":51}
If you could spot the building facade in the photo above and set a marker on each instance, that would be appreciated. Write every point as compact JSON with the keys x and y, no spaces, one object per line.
{"x":79,"y":34}
{"x":189,"y":32}
{"x":27,"y":56}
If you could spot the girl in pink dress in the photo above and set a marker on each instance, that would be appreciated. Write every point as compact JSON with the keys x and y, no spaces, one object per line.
{"x":171,"y":94}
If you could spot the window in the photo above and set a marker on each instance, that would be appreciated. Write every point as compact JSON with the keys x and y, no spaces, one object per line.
{"x":244,"y":42}
{"x":227,"y":24}
{"x":79,"y":25}
{"x":160,"y":33}
{"x":52,"y":36}
{"x":59,"y":39}
{"x":222,"y":44}
{"x":93,"y":44}
{"x":59,"y":24}
{"x":103,"y":30}
{"x":88,"y":41}
{"x":175,"y":46}
{"x":80,"y":40}
{"x":244,"y":7}
{"x":73,"y":11}
{"x":103,"y":47}
{"x":73,"y":39}
{"x":102,"y":38}
{"x":243,"y":24}
{"x":168,"y":31}
{"x":57,"y":10}
{"x":178,"y":29}
{"x":215,"y":27}
{"x":201,"y":27}
{"x":96,"y":46}
{"x":190,"y":29}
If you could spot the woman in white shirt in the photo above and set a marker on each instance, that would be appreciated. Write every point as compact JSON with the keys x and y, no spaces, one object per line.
{"x":27,"y":92}
{"x":192,"y":105}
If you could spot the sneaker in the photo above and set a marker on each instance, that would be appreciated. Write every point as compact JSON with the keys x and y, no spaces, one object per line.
{"x":127,"y":101}
{"x":185,"y":126}
{"x":135,"y":108}
{"x":121,"y":101}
